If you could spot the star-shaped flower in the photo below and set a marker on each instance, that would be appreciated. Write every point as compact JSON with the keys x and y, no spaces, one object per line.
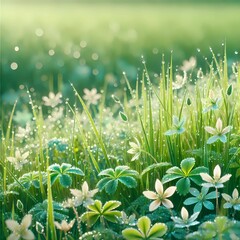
{"x":219,"y":132}
{"x":91,"y":96}
{"x":232,"y":202}
{"x":135,"y":149}
{"x":185,"y":220}
{"x":20,"y":230}
{"x":160,"y":196}
{"x":19,"y":159}
{"x":189,"y":64}
{"x":83,"y":197}
{"x":64,"y":226}
{"x":215,"y":181}
{"x":52,"y":100}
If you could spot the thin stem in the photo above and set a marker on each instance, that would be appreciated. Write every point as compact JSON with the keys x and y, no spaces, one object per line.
{"x":217,"y":204}
{"x":150,"y":155}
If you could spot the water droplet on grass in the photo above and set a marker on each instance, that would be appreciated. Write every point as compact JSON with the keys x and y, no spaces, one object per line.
{"x":14,"y":65}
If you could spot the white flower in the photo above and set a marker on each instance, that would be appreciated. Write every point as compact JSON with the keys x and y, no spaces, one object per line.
{"x":57,"y":113}
{"x":218,"y":132}
{"x":64,"y":226}
{"x":83,"y":197}
{"x":91,"y":96}
{"x":213,"y":102}
{"x":180,"y":81}
{"x":232,"y":202}
{"x":23,"y":132}
{"x":19,"y":159}
{"x":215,"y":181}
{"x":189,"y":64}
{"x":52,"y":100}
{"x":185,"y":220}
{"x":135,"y":149}
{"x":160,"y":196}
{"x":20,"y":230}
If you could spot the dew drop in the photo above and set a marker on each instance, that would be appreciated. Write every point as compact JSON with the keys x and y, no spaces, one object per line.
{"x":14,"y":65}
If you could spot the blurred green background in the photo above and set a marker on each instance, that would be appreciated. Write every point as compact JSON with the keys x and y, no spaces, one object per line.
{"x":46,"y":44}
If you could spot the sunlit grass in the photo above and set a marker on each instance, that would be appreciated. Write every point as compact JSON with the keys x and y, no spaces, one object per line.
{"x":176,"y":128}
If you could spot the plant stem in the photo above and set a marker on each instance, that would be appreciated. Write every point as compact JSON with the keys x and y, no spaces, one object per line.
{"x":217,"y":204}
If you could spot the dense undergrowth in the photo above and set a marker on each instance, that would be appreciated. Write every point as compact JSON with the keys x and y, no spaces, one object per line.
{"x":162,"y":161}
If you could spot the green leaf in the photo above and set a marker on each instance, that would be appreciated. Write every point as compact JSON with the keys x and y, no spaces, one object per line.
{"x":221,"y":222}
{"x":187,"y":165}
{"x":65,"y":167}
{"x":110,"y":205}
{"x":154,"y":166}
{"x":157,"y":230}
{"x":144,"y":225}
{"x":175,"y":170}
{"x":76,"y":171}
{"x":198,"y":207}
{"x":65,"y":180}
{"x":130,"y":182}
{"x":102,"y":183}
{"x":108,"y":172}
{"x":90,"y":217}
{"x":194,"y":192}
{"x":36,"y":183}
{"x":212,"y":139}
{"x":54,"y":177}
{"x":96,"y":207}
{"x":131,"y":234}
{"x":120,"y":169}
{"x":112,"y":216}
{"x":211,"y":195}
{"x":223,"y":138}
{"x":111,"y":186}
{"x":123,"y":116}
{"x":170,"y":177}
{"x":183,"y":186}
{"x":190,"y":201}
{"x":229,"y":90}
{"x":208,"y":205}
{"x":171,"y":132}
{"x":198,"y":170}
{"x":55,"y":167}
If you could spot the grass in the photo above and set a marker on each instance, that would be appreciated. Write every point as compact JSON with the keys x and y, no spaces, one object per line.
{"x":157,"y":131}
{"x":73,"y":166}
{"x":116,"y":36}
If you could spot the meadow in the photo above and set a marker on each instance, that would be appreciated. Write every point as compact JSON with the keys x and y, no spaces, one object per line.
{"x":108,"y":134}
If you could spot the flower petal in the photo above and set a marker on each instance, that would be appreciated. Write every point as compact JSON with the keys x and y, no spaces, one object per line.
{"x":206,"y":177}
{"x":76,"y":192}
{"x":13,"y":236}
{"x":217,"y":172}
{"x":235,"y":194}
{"x":226,"y":197}
{"x":225,"y":178}
{"x":184,"y":213}
{"x":167,"y":203}
{"x":28,"y":235}
{"x":210,"y":130}
{"x":150,"y":195}
{"x":159,"y":187}
{"x":226,"y":129}
{"x":26,"y":221}
{"x":169,"y":192}
{"x":58,"y":225}
{"x":12,"y":224}
{"x":85,"y":188}
{"x":154,"y":205}
{"x":219,"y":125}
